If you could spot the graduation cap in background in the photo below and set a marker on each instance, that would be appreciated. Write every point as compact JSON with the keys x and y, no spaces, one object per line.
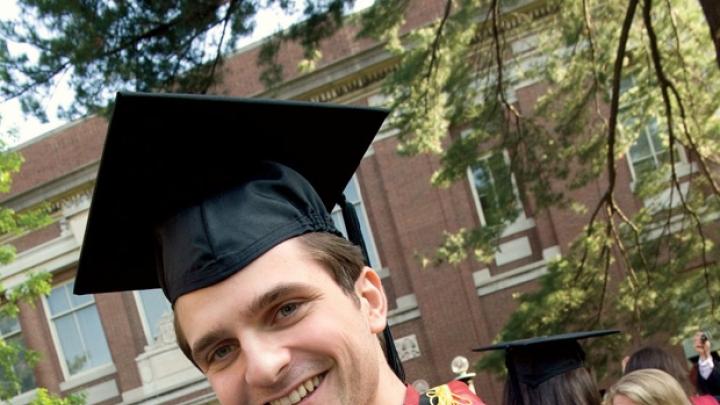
{"x":535,"y":360}
{"x":193,"y":188}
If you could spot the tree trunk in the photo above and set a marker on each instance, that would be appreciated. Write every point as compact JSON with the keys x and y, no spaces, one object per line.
{"x":711,"y":8}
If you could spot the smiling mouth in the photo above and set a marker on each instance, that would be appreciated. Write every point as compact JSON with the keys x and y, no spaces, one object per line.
{"x":300,"y":392}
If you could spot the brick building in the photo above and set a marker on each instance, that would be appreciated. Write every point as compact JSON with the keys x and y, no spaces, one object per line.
{"x":119,"y":347}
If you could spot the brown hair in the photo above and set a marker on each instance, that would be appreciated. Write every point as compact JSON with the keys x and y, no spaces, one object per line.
{"x":337,"y":255}
{"x":574,"y":387}
{"x":655,"y":357}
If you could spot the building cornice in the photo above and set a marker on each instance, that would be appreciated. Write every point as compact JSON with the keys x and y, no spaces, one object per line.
{"x":370,"y":67}
{"x":57,"y":191}
{"x":337,"y":79}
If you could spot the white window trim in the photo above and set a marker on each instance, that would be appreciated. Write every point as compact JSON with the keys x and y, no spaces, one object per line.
{"x":143,"y":317}
{"x":381,"y":100}
{"x":85,"y":375}
{"x":370,"y":238}
{"x":682,"y":166}
{"x":23,"y":398}
{"x":487,"y":283}
{"x":522,"y":222}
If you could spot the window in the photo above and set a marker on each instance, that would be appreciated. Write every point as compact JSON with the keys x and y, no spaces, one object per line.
{"x":494,"y":190}
{"x":154,"y":305}
{"x":10,"y":331}
{"x":78,"y":330}
{"x":352,"y":193}
{"x":648,"y":152}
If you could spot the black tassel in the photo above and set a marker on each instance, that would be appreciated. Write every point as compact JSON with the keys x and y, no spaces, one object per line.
{"x":352,"y":225}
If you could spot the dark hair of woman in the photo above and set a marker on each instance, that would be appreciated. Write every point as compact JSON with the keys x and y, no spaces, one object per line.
{"x":574,"y":387}
{"x":655,"y":357}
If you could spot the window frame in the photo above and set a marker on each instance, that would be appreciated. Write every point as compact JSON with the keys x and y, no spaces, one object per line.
{"x":362,"y":216}
{"x":522,"y":222}
{"x":680,"y":162}
{"x":143,"y":316}
{"x":682,"y":165}
{"x":67,"y":376}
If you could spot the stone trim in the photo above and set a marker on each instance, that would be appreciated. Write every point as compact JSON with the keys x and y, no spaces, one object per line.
{"x":101,"y":392}
{"x":342,"y":77}
{"x":24,"y":398}
{"x":407,"y":310}
{"x":89,"y":376}
{"x":182,"y":389}
{"x":51,"y":256}
{"x":486,"y":283}
{"x":407,"y":347}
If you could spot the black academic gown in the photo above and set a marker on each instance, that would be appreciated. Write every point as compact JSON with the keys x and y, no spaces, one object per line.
{"x":711,"y":385}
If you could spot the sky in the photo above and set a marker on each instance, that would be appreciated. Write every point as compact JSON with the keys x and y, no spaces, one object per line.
{"x":27,"y":128}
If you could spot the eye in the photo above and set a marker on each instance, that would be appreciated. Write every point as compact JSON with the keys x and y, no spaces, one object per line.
{"x":221,"y":353}
{"x":287,"y":310}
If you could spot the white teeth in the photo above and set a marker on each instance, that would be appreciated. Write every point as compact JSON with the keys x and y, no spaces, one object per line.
{"x":299,"y":393}
{"x":309,"y":386}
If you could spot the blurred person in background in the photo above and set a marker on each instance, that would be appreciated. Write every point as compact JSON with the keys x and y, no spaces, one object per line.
{"x":657,"y":358}
{"x":549,"y":370}
{"x":648,"y":386}
{"x":705,"y":373}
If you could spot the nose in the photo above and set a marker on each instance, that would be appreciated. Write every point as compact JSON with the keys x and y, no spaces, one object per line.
{"x":266,"y":360}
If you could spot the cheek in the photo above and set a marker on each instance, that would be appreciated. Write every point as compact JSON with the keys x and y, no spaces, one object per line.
{"x":334,"y":333}
{"x":227,"y":389}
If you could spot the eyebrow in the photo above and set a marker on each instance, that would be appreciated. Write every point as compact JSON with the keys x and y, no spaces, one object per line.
{"x":256,"y":305}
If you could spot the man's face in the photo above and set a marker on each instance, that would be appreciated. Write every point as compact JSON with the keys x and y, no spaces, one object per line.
{"x":282,"y":329}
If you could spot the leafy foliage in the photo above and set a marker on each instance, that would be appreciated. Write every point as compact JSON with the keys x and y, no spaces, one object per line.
{"x":104,"y":47}
{"x":612,"y":73}
{"x":43,"y":397}
{"x":12,"y":353}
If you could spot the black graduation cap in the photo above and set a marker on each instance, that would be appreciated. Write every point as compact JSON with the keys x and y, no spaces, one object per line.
{"x":193,"y":188}
{"x":165,"y":154}
{"x":535,"y":360}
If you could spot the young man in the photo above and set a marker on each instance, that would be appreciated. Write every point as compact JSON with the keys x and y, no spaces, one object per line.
{"x":271,"y":304}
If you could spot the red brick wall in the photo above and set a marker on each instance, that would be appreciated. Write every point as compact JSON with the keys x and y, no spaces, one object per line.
{"x":240,"y":74}
{"x":37,"y":237}
{"x":58,"y":154}
{"x":36,"y":333}
{"x":124,"y":334}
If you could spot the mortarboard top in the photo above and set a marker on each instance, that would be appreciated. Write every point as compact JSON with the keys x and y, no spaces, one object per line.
{"x":211,"y":183}
{"x":535,"y":360}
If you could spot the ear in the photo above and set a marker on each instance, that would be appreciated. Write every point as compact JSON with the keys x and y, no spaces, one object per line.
{"x":373,"y":301}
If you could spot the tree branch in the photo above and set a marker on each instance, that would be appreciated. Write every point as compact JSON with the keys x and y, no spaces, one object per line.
{"x":218,"y":52}
{"x":593,"y":59}
{"x":711,"y":8}
{"x":665,"y":84}
{"x":436,"y":46}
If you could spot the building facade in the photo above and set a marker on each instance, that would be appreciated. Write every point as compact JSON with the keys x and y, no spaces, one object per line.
{"x":120,"y":347}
